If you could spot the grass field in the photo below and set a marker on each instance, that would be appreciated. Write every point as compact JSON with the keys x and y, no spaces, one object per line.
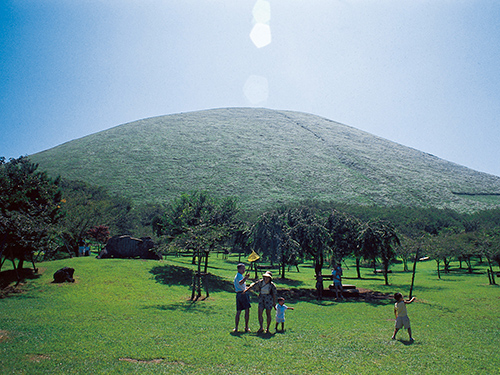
{"x":132,"y":316}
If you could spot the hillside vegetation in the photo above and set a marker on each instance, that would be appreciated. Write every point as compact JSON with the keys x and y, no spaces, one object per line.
{"x":265,"y":157}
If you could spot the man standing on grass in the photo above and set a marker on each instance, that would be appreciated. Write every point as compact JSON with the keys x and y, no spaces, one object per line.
{"x":242,"y":299}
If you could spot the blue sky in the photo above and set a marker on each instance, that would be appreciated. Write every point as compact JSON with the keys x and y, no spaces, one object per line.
{"x":425,"y":74}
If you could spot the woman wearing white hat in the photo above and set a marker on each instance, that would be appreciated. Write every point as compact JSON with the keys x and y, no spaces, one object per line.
{"x":267,"y":298}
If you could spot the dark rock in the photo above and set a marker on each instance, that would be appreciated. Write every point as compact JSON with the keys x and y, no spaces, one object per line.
{"x":129,"y":247}
{"x":64,"y":274}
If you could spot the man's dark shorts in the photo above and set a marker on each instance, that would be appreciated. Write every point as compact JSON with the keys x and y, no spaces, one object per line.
{"x":242,"y":301}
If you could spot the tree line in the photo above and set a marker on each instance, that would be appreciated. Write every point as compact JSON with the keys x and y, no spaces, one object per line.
{"x":43,"y":218}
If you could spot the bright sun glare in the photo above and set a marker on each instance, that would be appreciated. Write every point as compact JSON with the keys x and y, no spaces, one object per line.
{"x":256,"y":87}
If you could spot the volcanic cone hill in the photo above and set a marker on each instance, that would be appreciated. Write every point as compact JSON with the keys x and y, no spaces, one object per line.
{"x":265,"y":157}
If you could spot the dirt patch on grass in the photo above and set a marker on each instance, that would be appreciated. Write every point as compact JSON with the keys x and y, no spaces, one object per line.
{"x":4,"y":336}
{"x":371,"y":295}
{"x":365,"y":295}
{"x":38,"y":357}
{"x":155,"y":360}
{"x":9,"y":290}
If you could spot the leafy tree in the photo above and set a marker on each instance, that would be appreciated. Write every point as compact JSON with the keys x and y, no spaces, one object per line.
{"x":268,"y":235}
{"x":241,"y":238}
{"x":377,"y":240}
{"x":29,"y":209}
{"x":442,"y":250}
{"x":311,"y":234}
{"x":99,"y":234}
{"x":343,"y":231}
{"x":487,"y":244}
{"x":86,"y":206}
{"x":143,"y":216}
{"x":200,"y":223}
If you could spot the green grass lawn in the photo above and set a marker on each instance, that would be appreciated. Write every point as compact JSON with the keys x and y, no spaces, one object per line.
{"x":133,"y":316}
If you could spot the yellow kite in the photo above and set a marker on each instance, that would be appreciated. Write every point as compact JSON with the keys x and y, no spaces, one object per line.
{"x":253,"y":257}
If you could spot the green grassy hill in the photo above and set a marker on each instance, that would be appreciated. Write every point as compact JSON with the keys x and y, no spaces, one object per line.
{"x":266,"y":156}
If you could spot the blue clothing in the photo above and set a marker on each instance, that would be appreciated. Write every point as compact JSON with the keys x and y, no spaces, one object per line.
{"x":237,"y":286}
{"x":280,"y":313}
{"x":242,"y":299}
{"x":337,"y":279}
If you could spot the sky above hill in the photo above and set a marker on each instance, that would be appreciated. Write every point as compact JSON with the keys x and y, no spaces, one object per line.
{"x":424,"y":74}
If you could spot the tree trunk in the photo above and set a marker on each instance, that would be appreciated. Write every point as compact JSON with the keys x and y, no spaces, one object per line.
{"x":2,"y":261}
{"x":446,"y":265}
{"x":413,"y":274}
{"x":386,"y":272}
{"x":468,"y":261}
{"x":206,"y":262}
{"x":319,"y":263}
{"x":199,"y":277}
{"x":491,"y":272}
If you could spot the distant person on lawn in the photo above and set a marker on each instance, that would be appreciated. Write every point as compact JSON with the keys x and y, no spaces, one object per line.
{"x":337,"y":281}
{"x":319,"y":286}
{"x":401,"y":315}
{"x":242,"y":299}
{"x":267,"y":298}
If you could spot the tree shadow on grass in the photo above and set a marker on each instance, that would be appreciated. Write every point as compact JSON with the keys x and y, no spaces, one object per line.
{"x":188,"y":307}
{"x":10,"y":277}
{"x":294,"y":295}
{"x":289,"y":282}
{"x":364,"y":278}
{"x":175,"y":275}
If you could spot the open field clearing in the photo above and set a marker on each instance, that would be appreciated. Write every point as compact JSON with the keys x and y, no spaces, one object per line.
{"x":132,"y":316}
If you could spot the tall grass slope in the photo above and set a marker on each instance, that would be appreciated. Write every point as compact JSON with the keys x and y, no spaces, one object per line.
{"x":265,"y":157}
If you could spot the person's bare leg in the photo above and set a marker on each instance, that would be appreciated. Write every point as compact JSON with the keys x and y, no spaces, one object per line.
{"x":268,"y":313}
{"x":237,"y":320}
{"x":261,"y":319}
{"x":247,"y":318}
{"x":394,"y":334}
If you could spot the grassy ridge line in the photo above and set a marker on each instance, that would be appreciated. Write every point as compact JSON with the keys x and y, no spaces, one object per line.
{"x":265,"y":156}
{"x":120,"y":317}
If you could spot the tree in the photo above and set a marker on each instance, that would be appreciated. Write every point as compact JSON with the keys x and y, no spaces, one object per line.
{"x":200,"y":223}
{"x":29,"y":209}
{"x":377,"y":240}
{"x":311,"y":234}
{"x":343,"y":231}
{"x":268,"y":235}
{"x":99,"y":234}
{"x":86,"y":206}
{"x":441,"y":251}
{"x":486,"y":242}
